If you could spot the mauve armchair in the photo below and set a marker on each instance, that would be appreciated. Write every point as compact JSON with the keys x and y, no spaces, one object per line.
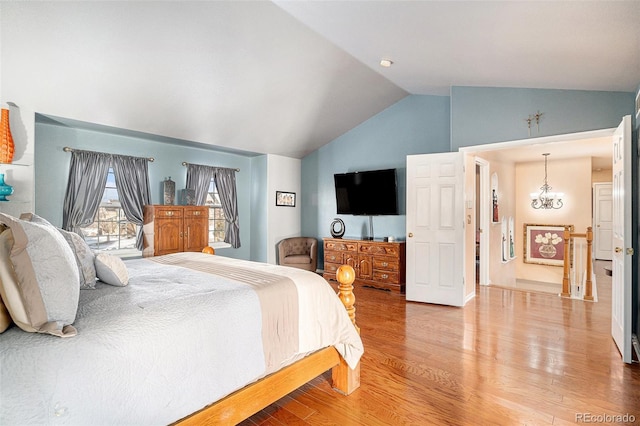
{"x":299,"y":252}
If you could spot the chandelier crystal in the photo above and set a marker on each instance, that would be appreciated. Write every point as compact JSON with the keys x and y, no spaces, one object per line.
{"x":546,"y":199}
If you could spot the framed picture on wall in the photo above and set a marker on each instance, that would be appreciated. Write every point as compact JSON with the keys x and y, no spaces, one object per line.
{"x":286,"y":199}
{"x":544,"y":244}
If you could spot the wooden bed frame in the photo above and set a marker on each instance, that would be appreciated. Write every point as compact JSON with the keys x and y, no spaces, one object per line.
{"x":254,"y":397}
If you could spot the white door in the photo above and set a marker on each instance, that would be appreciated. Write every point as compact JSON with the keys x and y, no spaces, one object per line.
{"x":621,"y":262}
{"x":435,"y":229}
{"x":603,"y":220}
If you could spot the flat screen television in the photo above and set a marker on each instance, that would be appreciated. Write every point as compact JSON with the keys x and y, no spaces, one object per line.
{"x":367,"y":193}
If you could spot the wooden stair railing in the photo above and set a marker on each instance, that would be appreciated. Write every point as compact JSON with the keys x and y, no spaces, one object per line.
{"x":566,"y":283}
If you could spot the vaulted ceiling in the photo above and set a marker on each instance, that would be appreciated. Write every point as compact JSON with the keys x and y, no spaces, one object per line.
{"x":288,"y":77}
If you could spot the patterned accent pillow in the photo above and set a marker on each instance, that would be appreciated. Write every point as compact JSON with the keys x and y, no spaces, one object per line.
{"x":85,"y":259}
{"x":41,"y":290}
{"x":81,"y":250}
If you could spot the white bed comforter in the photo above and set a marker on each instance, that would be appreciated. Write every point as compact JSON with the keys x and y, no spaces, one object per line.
{"x":171,"y":342}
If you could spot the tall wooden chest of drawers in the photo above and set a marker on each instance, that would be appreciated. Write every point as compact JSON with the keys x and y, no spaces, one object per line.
{"x":171,"y":229}
{"x":377,"y":264}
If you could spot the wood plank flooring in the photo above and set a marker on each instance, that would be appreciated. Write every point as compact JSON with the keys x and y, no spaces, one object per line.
{"x":507,"y":358}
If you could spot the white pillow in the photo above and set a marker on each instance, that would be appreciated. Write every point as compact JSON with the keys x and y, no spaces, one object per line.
{"x":41,"y":290}
{"x":111,"y":270}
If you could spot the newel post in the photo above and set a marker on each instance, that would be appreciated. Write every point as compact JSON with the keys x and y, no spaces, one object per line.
{"x":565,"y":278}
{"x":588,"y":285}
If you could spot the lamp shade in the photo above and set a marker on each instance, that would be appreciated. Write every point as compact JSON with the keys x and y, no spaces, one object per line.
{"x":6,"y":140}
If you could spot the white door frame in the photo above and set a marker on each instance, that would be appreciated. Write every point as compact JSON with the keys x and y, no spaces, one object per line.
{"x":484,"y":225}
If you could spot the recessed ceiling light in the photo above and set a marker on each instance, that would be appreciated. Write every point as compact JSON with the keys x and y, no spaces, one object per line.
{"x":386,"y":63}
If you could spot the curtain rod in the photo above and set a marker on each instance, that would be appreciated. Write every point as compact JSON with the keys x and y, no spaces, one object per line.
{"x":69,"y":149}
{"x":184,"y":163}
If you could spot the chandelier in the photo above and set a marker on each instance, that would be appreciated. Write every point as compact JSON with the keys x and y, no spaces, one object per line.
{"x":546,"y":199}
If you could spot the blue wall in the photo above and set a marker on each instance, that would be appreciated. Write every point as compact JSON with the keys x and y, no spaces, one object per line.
{"x":481,"y":115}
{"x":52,"y":170}
{"x":428,"y":124}
{"x":415,"y":125}
{"x":259,"y":222}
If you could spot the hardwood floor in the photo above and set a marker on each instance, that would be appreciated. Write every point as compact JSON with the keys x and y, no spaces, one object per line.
{"x":508,"y":357}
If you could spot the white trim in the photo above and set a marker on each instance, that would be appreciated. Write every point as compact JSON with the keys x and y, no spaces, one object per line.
{"x":592,"y":134}
{"x":469,"y":297}
{"x":219,"y":245}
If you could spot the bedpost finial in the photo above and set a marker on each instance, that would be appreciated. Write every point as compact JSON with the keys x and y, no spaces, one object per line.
{"x":346,"y":276}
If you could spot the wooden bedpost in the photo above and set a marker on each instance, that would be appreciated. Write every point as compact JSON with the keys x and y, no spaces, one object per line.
{"x":345,"y":379}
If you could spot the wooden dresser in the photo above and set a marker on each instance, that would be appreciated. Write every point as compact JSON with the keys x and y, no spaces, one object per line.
{"x":376,"y":263}
{"x":172,"y":229}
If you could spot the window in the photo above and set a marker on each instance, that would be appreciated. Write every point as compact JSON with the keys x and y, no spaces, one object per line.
{"x":216,"y":214}
{"x":110,"y":229}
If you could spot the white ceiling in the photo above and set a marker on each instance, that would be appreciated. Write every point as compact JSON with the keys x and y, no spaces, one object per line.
{"x":288,"y":77}
{"x":590,"y":45}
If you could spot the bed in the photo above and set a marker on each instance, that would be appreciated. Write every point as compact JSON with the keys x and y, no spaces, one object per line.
{"x":191,"y":338}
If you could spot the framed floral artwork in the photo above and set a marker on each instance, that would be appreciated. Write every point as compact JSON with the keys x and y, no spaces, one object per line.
{"x":544,"y":244}
{"x":287,"y":199}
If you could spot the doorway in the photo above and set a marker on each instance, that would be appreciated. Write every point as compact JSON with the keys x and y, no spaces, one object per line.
{"x":596,"y":144}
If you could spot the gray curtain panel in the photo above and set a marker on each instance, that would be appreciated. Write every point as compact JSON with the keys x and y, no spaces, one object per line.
{"x":198,"y":178}
{"x":87,"y":179}
{"x":132,"y":181}
{"x":225,"y":180}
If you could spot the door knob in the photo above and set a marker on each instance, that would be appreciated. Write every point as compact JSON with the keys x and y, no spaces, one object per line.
{"x":410,"y":234}
{"x":618,"y":249}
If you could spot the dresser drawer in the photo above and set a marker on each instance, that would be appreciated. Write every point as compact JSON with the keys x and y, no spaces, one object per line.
{"x":380,"y":249}
{"x":333,"y":257}
{"x":197,"y":213}
{"x":386,"y":277}
{"x":386,"y":264}
{"x":170,"y":213}
{"x":331,"y":268}
{"x":341,"y":246}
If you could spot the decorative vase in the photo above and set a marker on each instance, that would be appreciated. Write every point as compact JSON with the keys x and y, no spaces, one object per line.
{"x":169,"y":190}
{"x":547,"y":251}
{"x":339,"y":231}
{"x":6,"y":140}
{"x":4,"y":189}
